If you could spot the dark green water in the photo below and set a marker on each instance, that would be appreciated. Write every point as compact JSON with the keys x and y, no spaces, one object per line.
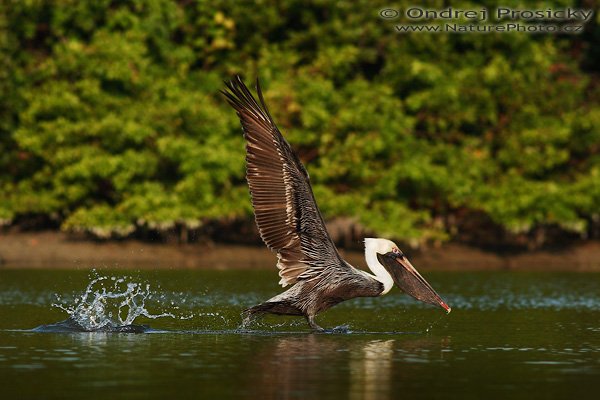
{"x":509,"y":336}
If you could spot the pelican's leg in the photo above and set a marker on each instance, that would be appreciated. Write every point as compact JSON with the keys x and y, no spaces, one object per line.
{"x":313,"y":324}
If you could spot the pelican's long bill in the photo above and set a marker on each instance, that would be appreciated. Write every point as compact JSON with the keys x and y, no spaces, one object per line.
{"x":409,"y":280}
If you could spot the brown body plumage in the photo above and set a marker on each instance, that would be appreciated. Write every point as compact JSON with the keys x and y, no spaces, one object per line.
{"x":309,"y":298}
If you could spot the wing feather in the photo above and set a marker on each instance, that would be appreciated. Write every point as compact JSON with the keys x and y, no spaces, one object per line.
{"x":287,"y":216}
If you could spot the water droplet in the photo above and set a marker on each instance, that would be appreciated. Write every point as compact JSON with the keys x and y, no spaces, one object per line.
{"x":119,"y":303}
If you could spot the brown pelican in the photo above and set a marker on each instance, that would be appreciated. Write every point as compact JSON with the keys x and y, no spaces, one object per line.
{"x":291,"y":225}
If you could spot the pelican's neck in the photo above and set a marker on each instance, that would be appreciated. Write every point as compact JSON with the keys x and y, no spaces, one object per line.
{"x":380,"y":272}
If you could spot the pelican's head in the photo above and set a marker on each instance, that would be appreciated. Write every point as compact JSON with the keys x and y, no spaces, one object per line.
{"x":385,"y":257}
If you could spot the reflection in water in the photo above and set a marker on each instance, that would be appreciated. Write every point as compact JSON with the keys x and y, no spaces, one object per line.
{"x":371,"y":370}
{"x":292,"y":365}
{"x":307,"y":366}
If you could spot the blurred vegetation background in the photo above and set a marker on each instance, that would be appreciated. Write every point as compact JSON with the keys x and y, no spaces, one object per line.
{"x":112,"y":124}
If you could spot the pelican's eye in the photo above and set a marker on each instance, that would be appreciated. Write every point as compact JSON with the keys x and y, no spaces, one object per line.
{"x":397,"y":252}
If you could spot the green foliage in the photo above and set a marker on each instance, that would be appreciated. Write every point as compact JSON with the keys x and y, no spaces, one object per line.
{"x":111,"y":120}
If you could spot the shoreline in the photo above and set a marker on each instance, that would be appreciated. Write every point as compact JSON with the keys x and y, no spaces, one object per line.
{"x":57,"y":250}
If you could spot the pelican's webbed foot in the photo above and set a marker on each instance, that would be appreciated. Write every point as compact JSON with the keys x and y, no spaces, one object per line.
{"x":313,"y":324}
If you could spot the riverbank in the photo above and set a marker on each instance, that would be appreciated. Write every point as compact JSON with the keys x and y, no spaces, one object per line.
{"x":58,"y":250}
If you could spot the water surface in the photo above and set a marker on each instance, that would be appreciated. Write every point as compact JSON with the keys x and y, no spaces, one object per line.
{"x":510,"y":335}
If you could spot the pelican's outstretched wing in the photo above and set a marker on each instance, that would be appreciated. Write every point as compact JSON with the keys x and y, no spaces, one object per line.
{"x":287,"y":215}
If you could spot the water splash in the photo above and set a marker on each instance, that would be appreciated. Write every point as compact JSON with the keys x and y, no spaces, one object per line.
{"x":113,"y":304}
